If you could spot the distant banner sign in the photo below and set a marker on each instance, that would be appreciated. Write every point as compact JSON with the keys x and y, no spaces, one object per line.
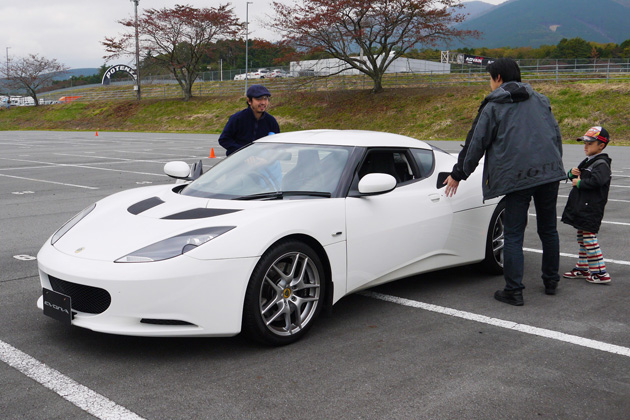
{"x":118,"y":67}
{"x":474,"y":59}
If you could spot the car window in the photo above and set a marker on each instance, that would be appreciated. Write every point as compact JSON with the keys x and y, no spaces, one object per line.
{"x":272,"y":167}
{"x":425,"y":160}
{"x":393,"y":162}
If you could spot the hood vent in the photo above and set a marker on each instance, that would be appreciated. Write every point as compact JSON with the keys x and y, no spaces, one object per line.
{"x":144,"y":205}
{"x":200,"y":213}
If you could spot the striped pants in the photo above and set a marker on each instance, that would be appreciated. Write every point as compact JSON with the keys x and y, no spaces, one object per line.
{"x":590,"y":255}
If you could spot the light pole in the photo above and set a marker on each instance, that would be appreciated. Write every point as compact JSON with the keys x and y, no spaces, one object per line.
{"x":8,"y":62}
{"x":246,"y":41}
{"x":8,"y":91}
{"x":138,"y":96}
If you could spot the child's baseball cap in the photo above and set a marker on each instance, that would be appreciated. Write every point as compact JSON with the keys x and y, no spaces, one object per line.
{"x":594,"y":134}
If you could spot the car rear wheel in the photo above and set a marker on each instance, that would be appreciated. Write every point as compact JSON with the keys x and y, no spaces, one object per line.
{"x":284,"y":295}
{"x":495,"y":241}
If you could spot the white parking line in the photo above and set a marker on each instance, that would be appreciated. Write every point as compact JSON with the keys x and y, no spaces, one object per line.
{"x":527,"y":329}
{"x":575,"y":256}
{"x":610,"y":199}
{"x":49,"y":182}
{"x":603,"y":221}
{"x":79,"y":395}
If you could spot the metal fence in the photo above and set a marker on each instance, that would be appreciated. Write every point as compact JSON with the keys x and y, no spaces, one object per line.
{"x":533,"y":71}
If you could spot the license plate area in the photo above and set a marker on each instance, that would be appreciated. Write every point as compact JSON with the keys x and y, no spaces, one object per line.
{"x":58,"y":306}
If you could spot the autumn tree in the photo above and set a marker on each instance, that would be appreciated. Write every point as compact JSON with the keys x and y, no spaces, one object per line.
{"x":176,"y":39}
{"x":367,"y":35}
{"x":33,"y":73}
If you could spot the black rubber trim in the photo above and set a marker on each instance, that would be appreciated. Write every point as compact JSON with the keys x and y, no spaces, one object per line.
{"x":200,"y":213}
{"x":144,"y":205}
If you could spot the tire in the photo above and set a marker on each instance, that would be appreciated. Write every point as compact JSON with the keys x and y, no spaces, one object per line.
{"x":493,"y":262}
{"x":285,"y":294}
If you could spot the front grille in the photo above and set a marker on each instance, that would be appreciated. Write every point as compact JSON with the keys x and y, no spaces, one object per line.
{"x":92,"y":300}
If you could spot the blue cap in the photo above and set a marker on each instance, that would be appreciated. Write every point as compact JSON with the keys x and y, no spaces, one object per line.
{"x":256,"y":91}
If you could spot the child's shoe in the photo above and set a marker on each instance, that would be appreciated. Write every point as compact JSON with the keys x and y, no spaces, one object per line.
{"x":576,"y":273}
{"x":599,"y":278}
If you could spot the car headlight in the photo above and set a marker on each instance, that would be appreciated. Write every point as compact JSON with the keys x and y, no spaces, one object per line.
{"x":174,"y":246}
{"x":70,"y":223}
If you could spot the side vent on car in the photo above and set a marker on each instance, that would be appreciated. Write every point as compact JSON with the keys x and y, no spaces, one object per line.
{"x":200,"y":213}
{"x":144,"y":205}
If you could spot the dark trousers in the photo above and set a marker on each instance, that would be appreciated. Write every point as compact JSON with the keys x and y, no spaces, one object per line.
{"x":516,"y":208}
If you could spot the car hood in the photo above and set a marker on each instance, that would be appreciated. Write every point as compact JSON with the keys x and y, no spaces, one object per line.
{"x":131,"y":220}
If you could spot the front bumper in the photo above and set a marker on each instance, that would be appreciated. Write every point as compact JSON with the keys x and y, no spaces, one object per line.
{"x":178,"y":297}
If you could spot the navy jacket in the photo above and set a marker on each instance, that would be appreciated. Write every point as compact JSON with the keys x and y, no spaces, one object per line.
{"x":520,"y":137}
{"x":585,"y":206}
{"x":243,"y":128}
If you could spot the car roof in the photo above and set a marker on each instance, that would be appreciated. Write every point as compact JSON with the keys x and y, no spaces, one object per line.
{"x":362,"y":138}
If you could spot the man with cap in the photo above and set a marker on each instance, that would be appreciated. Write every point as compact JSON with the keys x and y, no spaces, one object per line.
{"x":585,"y":206}
{"x":251,"y":123}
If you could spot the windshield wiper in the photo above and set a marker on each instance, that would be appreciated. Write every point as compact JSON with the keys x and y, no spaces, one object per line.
{"x":278,"y":195}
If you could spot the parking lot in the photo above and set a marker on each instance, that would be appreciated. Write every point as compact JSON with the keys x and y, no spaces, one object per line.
{"x":435,"y":346}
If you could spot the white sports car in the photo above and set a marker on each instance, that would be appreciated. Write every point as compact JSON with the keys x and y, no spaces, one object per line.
{"x":267,"y":238}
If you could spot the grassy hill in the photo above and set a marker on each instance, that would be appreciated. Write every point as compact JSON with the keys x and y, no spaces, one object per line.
{"x":443,"y":113}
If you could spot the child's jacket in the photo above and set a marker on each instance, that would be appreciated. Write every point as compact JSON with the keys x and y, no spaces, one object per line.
{"x":585,"y":206}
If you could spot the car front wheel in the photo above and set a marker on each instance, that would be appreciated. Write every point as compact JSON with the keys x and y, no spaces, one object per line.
{"x":284,"y":295}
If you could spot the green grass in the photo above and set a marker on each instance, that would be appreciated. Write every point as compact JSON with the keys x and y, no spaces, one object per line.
{"x":431,"y":113}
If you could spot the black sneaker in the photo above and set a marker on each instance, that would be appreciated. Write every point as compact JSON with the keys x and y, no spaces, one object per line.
{"x":550,"y":287}
{"x":513,"y":297}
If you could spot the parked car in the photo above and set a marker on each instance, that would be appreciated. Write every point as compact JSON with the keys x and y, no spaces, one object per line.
{"x":279,"y":73}
{"x":259,"y":74}
{"x":240,"y":76}
{"x":267,"y":238}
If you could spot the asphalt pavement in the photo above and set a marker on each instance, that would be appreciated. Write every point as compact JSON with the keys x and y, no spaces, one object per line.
{"x":434,"y":346}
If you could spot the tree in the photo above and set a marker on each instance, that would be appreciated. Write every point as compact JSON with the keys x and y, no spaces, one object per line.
{"x":33,"y":73}
{"x":367,"y":35}
{"x":176,"y":39}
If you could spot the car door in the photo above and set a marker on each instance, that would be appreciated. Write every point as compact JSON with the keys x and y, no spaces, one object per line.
{"x":399,"y":233}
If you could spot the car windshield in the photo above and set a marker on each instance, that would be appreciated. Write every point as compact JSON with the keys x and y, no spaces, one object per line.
{"x":274,"y":171}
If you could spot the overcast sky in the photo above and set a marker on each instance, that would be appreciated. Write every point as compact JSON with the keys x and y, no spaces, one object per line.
{"x":71,"y":31}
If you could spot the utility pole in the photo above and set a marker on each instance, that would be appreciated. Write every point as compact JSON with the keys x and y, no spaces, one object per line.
{"x":246,"y":41}
{"x":8,"y":62}
{"x":137,"y":87}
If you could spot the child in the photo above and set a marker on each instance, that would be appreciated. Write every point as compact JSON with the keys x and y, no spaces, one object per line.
{"x":585,"y":206}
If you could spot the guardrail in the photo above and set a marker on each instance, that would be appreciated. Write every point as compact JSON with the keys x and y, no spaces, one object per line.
{"x":603,"y":72}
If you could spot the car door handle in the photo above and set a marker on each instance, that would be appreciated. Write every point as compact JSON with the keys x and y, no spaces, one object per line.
{"x":434,"y":197}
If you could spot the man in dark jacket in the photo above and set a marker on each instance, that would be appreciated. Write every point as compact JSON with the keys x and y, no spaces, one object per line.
{"x":251,"y":123}
{"x":521,"y":140}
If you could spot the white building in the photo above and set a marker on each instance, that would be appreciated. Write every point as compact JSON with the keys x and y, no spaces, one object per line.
{"x":328,"y":66}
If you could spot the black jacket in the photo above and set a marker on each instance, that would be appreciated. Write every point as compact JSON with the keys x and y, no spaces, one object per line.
{"x":586,"y":202}
{"x":243,"y":128}
{"x":520,"y":138}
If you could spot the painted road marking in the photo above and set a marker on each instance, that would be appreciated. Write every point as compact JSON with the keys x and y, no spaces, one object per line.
{"x":564,"y":254}
{"x":70,"y":390}
{"x":610,"y":199}
{"x":527,"y":329}
{"x":49,"y":182}
{"x":603,"y":221}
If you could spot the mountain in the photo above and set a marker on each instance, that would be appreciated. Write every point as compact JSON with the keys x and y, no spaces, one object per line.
{"x":77,"y":73}
{"x":532,"y":23}
{"x":475,"y":9}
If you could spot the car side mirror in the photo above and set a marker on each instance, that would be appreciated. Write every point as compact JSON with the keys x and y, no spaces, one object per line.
{"x":177,"y":169}
{"x":376,"y":183}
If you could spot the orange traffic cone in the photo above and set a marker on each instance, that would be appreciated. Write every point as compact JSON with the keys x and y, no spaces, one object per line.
{"x":97,"y":134}
{"x":212,"y":153}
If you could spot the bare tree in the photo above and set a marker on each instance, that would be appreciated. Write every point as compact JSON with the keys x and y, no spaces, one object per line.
{"x":368,"y":35}
{"x":33,"y":73}
{"x":176,"y":39}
